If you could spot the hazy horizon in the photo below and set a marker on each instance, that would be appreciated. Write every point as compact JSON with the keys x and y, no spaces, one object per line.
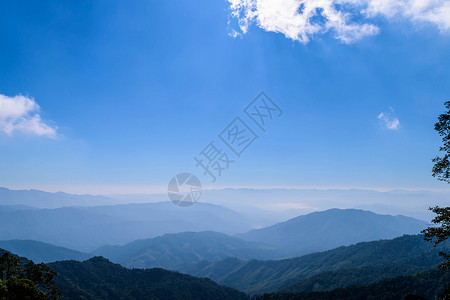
{"x":249,"y":146}
{"x":282,"y":204}
{"x":101,"y":109}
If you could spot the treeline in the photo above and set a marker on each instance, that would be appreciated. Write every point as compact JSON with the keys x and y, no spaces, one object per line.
{"x":98,"y":278}
{"x":331,"y":280}
{"x":426,"y":285}
{"x":22,"y":279}
{"x":410,"y":253}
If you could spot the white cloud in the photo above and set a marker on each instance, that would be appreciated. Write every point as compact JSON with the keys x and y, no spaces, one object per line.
{"x":20,"y":113}
{"x":389,"y":120}
{"x":436,"y":12}
{"x":300,"y":20}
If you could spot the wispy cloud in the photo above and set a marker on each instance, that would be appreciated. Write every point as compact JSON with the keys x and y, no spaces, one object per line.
{"x":21,"y":113}
{"x":301,"y":20}
{"x":389,"y":120}
{"x":436,"y":12}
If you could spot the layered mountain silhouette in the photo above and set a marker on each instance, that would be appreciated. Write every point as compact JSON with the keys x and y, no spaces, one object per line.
{"x":87,"y":228}
{"x":173,"y":251}
{"x":424,"y":285}
{"x":384,"y":269}
{"x":411,"y":254}
{"x":98,"y":278}
{"x":41,"y":199}
{"x":42,"y":252}
{"x":319,"y":231}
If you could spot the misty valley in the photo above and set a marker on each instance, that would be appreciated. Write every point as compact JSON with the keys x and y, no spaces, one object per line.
{"x":225,"y":150}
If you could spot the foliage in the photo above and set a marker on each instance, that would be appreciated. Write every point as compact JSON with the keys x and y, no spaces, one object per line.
{"x":23,"y":277}
{"x":440,"y":233}
{"x":171,"y":251}
{"x":98,"y":278}
{"x":441,"y":168}
{"x":426,"y":285}
{"x":20,"y":289}
{"x":330,"y":280}
{"x":43,"y":276}
{"x":3,"y":290}
{"x":9,"y":266}
{"x":255,"y":277}
{"x":445,"y":295}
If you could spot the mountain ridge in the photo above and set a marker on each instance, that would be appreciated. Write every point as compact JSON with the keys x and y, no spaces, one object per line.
{"x":178,"y":249}
{"x":42,"y":252}
{"x":328,"y":229}
{"x":87,"y":228}
{"x":255,"y":276}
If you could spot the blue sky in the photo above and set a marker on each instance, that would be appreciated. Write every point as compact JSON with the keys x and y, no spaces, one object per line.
{"x":130,"y":92}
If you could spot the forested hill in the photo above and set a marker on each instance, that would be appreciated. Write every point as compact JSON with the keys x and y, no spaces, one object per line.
{"x":425,"y":285}
{"x":255,"y":276}
{"x":98,"y":278}
{"x":171,"y":251}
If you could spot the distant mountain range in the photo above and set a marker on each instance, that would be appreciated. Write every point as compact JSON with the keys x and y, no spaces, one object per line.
{"x":379,"y":269}
{"x":211,"y":241}
{"x":319,"y":231}
{"x":42,"y":252}
{"x":40,"y":199}
{"x":87,"y":228}
{"x":288,"y":203}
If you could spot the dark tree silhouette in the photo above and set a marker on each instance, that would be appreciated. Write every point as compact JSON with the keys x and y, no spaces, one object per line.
{"x":26,"y":281}
{"x":43,"y":276}
{"x":9,"y":266}
{"x":20,"y":289}
{"x":440,"y":233}
{"x":441,"y":170}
